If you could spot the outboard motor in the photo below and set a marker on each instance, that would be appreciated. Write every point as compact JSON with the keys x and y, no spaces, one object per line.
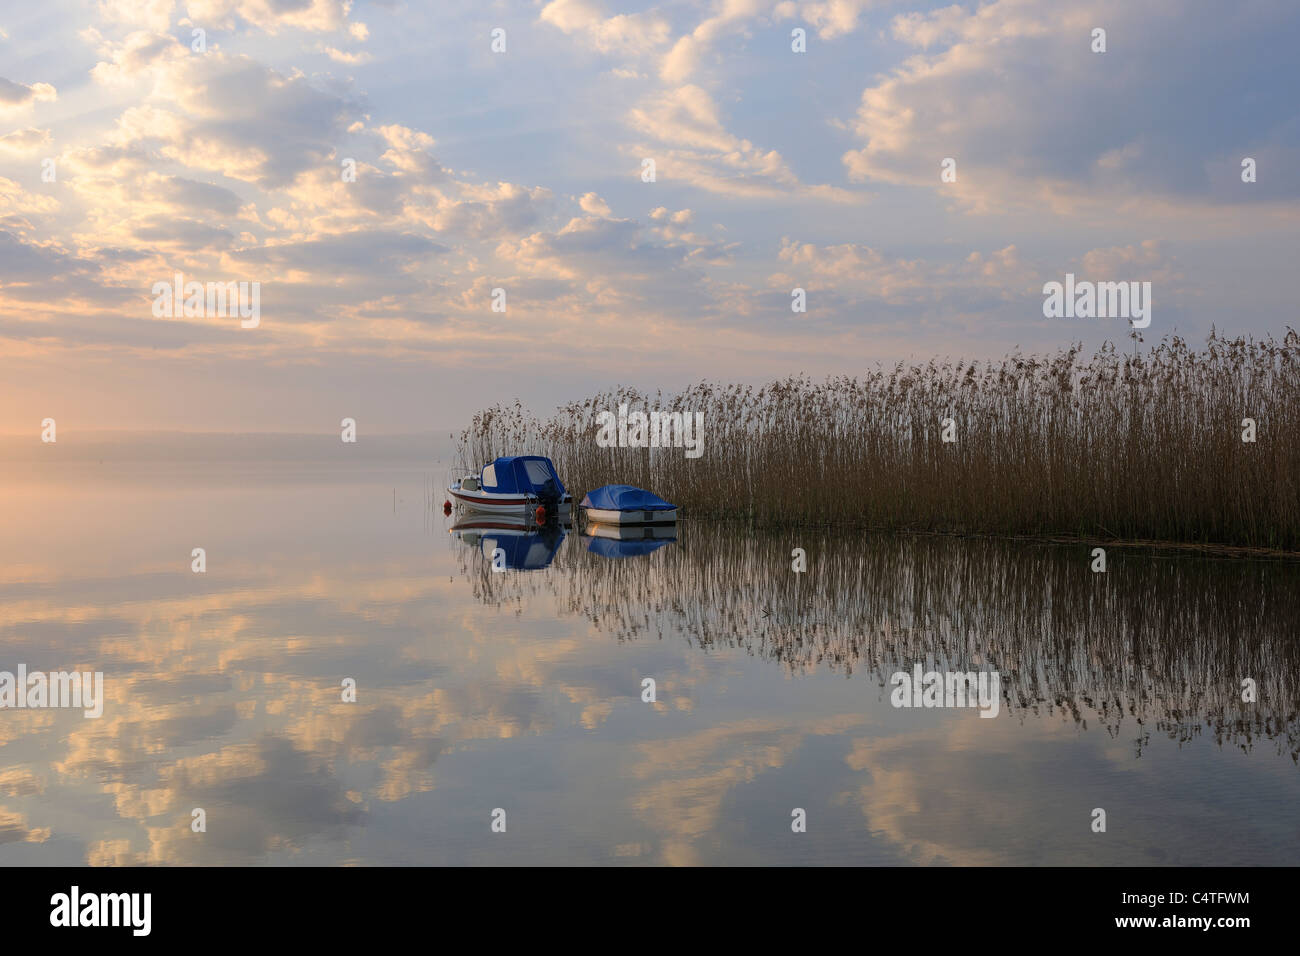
{"x":549,"y":495}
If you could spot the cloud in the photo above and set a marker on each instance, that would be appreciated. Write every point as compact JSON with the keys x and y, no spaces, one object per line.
{"x":156,"y":15}
{"x":196,"y":197}
{"x":15,"y":97}
{"x":689,"y":139}
{"x":488,"y":211}
{"x":17,"y":201}
{"x":1013,"y":92}
{"x":140,"y":53}
{"x":14,"y":829}
{"x":402,"y":137}
{"x":182,"y":234}
{"x":350,"y":59}
{"x":856,"y":273}
{"x":688,"y":52}
{"x":626,"y":34}
{"x":924,"y":30}
{"x":24,"y":140}
{"x":221,"y":165}
{"x":45,"y":274}
{"x":271,"y":16}
{"x":594,"y":205}
{"x":615,"y":268}
{"x":359,"y":252}
{"x":207,"y":125}
{"x":692,"y":145}
{"x":833,"y":18}
{"x":588,"y":240}
{"x":1145,"y":261}
{"x":111,"y":162}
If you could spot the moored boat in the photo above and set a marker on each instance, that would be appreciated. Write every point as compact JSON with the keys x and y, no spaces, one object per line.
{"x":625,"y":504}
{"x":515,"y":484}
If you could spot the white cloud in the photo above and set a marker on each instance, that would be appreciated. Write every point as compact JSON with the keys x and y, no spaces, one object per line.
{"x":207,"y":124}
{"x":927,"y":29}
{"x":342,"y":56}
{"x":690,"y":144}
{"x":856,"y":272}
{"x":15,"y":199}
{"x":24,"y":140}
{"x":155,"y":15}
{"x":593,"y":204}
{"x":1012,"y":91}
{"x":1145,"y":261}
{"x":405,"y":138}
{"x":627,"y":34}
{"x":18,"y":97}
{"x":140,"y":53}
{"x":271,"y":16}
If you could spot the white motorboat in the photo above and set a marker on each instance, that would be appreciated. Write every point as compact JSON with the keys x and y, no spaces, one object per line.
{"x":513,"y":485}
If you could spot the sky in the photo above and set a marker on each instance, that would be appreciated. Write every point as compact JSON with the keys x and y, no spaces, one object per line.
{"x":130,"y":151}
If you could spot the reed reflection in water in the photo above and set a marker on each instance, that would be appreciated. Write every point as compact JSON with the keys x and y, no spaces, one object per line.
{"x":522,"y":689}
{"x":1156,"y":643}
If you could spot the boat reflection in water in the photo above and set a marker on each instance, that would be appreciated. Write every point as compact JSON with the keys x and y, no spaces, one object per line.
{"x":525,"y":545}
{"x":522,"y":543}
{"x":628,"y":541}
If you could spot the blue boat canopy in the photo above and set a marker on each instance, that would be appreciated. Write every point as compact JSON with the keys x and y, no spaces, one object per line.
{"x":522,"y":475}
{"x":625,"y":498}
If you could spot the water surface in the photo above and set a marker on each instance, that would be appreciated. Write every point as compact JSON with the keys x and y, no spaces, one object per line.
{"x":522,"y":690}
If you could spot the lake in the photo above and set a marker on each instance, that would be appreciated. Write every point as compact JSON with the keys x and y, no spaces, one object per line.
{"x":517,"y":695}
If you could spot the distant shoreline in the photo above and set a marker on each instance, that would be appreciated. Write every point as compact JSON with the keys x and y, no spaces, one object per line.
{"x":180,"y":447}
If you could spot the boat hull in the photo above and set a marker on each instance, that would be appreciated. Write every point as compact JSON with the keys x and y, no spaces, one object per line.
{"x":633,"y":532}
{"x":633,"y":516}
{"x":488,"y":503}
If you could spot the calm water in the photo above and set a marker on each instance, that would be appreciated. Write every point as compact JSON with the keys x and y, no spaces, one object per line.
{"x":522,"y":690}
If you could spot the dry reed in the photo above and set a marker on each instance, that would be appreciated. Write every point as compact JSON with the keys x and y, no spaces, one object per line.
{"x":1114,"y":447}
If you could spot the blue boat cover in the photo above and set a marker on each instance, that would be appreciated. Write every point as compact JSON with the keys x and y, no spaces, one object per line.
{"x":626,"y":548}
{"x":624,"y":498}
{"x":521,"y":475}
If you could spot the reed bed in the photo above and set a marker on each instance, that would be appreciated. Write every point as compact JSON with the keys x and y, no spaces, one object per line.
{"x":1112,"y":447}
